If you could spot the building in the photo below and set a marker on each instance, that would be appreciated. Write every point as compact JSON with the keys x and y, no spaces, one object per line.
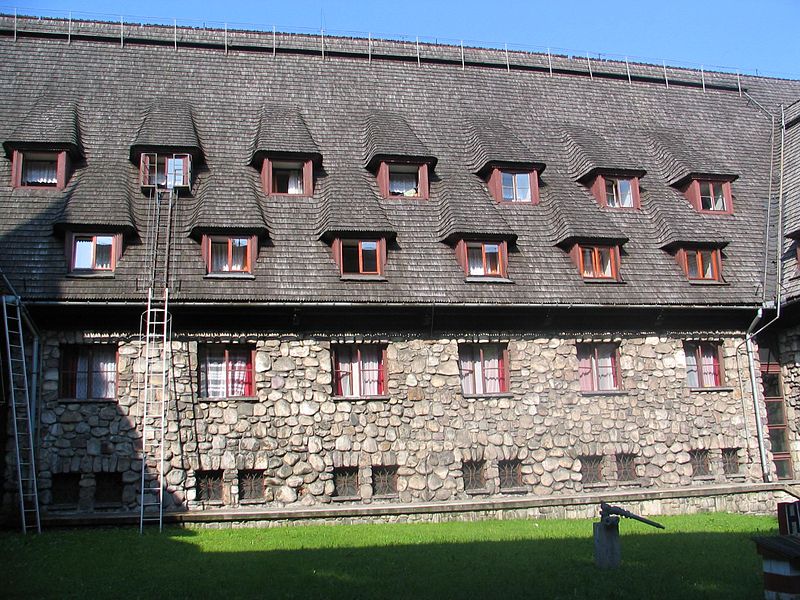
{"x":404,"y":279}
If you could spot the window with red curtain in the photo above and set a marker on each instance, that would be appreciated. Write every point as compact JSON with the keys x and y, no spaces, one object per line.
{"x":483,"y":369}
{"x":226,"y":372}
{"x":358,"y":370}
{"x":703,"y":368}
{"x":598,"y":367}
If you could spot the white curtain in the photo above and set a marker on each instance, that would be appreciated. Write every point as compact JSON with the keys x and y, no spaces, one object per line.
{"x":605,"y":262}
{"x":708,"y":267}
{"x":605,"y":368}
{"x":82,"y":376}
{"x":403,"y":184}
{"x":475,"y":260}
{"x":104,"y":374}
{"x":238,"y":254}
{"x":491,"y":370}
{"x":492,"y":259}
{"x":102,"y":252}
{"x":219,"y":257}
{"x":467,"y":370}
{"x":214,"y":370}
{"x":296,"y":182}
{"x":708,"y":354}
{"x":370,"y":373}
{"x":345,"y":371}
{"x":40,"y":172}
{"x":588,"y":267}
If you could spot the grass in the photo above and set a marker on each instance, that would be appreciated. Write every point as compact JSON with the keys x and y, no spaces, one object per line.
{"x":698,"y":556}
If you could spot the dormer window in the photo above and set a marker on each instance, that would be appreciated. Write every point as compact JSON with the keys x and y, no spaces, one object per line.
{"x":613,"y":191}
{"x":288,"y":177}
{"x":39,"y":169}
{"x":510,"y":185}
{"x":710,"y":196}
{"x":165,"y":170}
{"x":229,"y":254}
{"x":360,"y":257}
{"x":597,"y":262}
{"x":701,"y":264}
{"x":483,"y":259}
{"x":403,"y":180}
{"x":93,"y":253}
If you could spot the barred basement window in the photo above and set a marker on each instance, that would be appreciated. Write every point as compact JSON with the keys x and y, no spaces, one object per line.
{"x":591,"y":469}
{"x":510,"y":473}
{"x":345,"y":482}
{"x":384,"y":481}
{"x":209,"y":486}
{"x":65,"y":490}
{"x":698,"y":459}
{"x":626,"y":467}
{"x":730,"y":461}
{"x":251,"y":485}
{"x":472,"y":472}
{"x":108,"y":489}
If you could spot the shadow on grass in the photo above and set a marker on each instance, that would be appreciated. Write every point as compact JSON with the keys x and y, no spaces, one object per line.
{"x":236,"y":564}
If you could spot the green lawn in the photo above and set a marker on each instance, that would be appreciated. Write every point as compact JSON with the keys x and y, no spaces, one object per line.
{"x":698,"y":556}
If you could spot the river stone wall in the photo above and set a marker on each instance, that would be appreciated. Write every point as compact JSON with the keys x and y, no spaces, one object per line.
{"x":297,"y":433}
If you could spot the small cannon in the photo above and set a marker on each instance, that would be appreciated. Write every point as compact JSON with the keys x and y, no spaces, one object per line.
{"x":607,"y":551}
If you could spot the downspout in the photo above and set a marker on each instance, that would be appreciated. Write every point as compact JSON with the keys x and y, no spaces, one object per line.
{"x":754,"y":387}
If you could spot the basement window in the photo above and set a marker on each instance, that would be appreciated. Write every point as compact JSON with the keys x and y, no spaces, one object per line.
{"x":39,"y":169}
{"x":108,"y":490}
{"x":598,"y":367}
{"x":384,"y":481}
{"x":209,"y":486}
{"x":345,"y":482}
{"x":703,"y":364}
{"x":510,"y":472}
{"x":484,"y":369}
{"x":88,"y":372}
{"x":226,"y":372}
{"x":730,"y":461}
{"x":288,"y":177}
{"x":626,"y":467}
{"x":698,"y":459}
{"x":472,"y":472}
{"x":403,"y":180}
{"x":252,"y":485}
{"x":229,"y":254}
{"x":358,"y":370}
{"x":65,"y":490}
{"x":591,"y":469}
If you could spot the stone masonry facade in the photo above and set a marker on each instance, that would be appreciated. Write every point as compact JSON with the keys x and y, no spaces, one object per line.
{"x":296,"y":434}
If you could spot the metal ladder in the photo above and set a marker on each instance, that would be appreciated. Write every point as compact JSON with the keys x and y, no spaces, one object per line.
{"x":21,"y":416}
{"x":155,"y":330}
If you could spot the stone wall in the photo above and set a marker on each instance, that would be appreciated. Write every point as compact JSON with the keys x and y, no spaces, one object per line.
{"x":297,"y":433}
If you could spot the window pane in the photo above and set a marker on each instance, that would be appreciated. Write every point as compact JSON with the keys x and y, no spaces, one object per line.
{"x":83,"y":253}
{"x":350,"y":257}
{"x":691,"y":264}
{"x":775,"y":413}
{"x":772,"y":385}
{"x":777,"y":440}
{"x":491,"y":369}
{"x":369,"y":257}
{"x":783,"y":468}
{"x":475,"y":260}
{"x":287,"y":179}
{"x":588,"y":267}
{"x":523,"y":181}
{"x":102,"y":252}
{"x":239,"y":373}
{"x":692,"y":380}
{"x":370,"y":370}
{"x":219,"y":256}
{"x":402,"y":184}
{"x":625,"y":193}
{"x":611,"y":193}
{"x":585,"y":376}
{"x":344,"y":371}
{"x":104,"y":373}
{"x":710,"y":359}
{"x":719,"y":197}
{"x":39,"y":172}
{"x":239,"y":254}
{"x":82,"y":375}
{"x":212,"y":374}
{"x":606,"y":379}
{"x":508,"y":186}
{"x":707,"y":258}
{"x":492,"y":259}
{"x":175,"y":171}
{"x":706,"y":196}
{"x":604,"y":258}
{"x":467,"y":359}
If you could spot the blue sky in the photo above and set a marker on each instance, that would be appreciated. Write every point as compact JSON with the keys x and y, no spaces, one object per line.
{"x":746,"y":35}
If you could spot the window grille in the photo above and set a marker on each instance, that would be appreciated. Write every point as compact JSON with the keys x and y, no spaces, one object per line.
{"x":472,"y":472}
{"x":209,"y":486}
{"x":510,"y":473}
{"x":384,"y":481}
{"x":591,"y":469}
{"x":345,"y":482}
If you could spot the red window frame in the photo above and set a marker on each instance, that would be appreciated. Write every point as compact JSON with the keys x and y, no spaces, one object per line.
{"x":462,"y":254}
{"x":250,"y":254}
{"x":338,"y":245}
{"x":116,"y":251}
{"x":495,"y":185}
{"x":596,"y":266}
{"x":473,"y":354}
{"x":693,"y":195}
{"x":686,"y":255}
{"x":384,"y":174}
{"x":355,"y":352}
{"x":152,"y":166}
{"x":70,"y":356}
{"x":61,"y":159}
{"x":307,"y":167}
{"x":248,"y":385}
{"x":589,"y":375}
{"x":702,"y":366}
{"x":600,"y":192}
